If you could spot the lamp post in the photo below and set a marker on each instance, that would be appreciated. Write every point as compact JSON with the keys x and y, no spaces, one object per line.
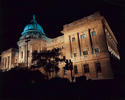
{"x":69,"y":66}
{"x":27,"y":39}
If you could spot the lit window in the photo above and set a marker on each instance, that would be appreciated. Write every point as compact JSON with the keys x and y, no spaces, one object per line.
{"x":86,"y":68}
{"x":83,"y":36}
{"x":85,"y":52}
{"x":98,"y":67}
{"x":75,"y":54}
{"x":73,"y":39}
{"x":93,"y":33}
{"x":96,"y":50}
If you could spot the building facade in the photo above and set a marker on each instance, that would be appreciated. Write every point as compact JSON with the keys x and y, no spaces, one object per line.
{"x":88,"y":42}
{"x":9,"y":58}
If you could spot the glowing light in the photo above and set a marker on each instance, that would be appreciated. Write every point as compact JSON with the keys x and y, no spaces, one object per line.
{"x":34,"y":26}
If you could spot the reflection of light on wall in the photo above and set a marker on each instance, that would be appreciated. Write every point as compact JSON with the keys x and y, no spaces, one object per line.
{"x":113,"y":52}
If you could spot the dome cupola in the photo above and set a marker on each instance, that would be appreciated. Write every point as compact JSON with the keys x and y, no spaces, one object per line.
{"x":33,"y":28}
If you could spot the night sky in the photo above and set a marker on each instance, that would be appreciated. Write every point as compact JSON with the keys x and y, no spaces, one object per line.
{"x":52,"y":15}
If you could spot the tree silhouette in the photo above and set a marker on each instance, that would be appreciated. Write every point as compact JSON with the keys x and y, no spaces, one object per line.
{"x":48,"y":60}
{"x":69,"y":66}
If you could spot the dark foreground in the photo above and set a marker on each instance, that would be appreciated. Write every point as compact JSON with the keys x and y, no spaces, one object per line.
{"x":32,"y":85}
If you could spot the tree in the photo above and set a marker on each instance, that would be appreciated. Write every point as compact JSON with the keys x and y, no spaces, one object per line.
{"x":48,"y":60}
{"x":69,"y":66}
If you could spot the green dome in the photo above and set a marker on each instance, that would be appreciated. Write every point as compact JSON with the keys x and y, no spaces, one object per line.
{"x":33,"y":28}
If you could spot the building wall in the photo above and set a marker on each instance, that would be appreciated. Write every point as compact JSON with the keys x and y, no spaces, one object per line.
{"x":33,"y":45}
{"x":111,"y":42}
{"x":87,"y":42}
{"x":9,"y":58}
{"x":75,"y":47}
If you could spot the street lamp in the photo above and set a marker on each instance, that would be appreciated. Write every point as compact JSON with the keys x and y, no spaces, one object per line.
{"x":69,"y":66}
{"x":27,"y":39}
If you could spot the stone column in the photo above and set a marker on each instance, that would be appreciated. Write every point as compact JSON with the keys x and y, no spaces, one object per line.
{"x":5,"y":61}
{"x":90,"y":39}
{"x":2,"y":62}
{"x":70,"y":46}
{"x":9,"y":62}
{"x":79,"y":44}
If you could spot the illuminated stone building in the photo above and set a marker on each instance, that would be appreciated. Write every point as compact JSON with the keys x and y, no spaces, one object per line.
{"x":88,"y":42}
{"x":9,"y":58}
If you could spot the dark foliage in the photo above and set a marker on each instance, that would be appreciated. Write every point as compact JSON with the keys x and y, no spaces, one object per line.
{"x":69,"y":66}
{"x":47,"y":59}
{"x":25,"y":84}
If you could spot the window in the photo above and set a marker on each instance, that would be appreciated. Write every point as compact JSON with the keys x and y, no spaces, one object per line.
{"x":75,"y":54}
{"x":96,"y":50}
{"x":73,"y":39}
{"x":98,"y":67}
{"x":83,"y":36}
{"x":8,"y":61}
{"x":85,"y":52}
{"x":3,"y":61}
{"x":65,"y":72}
{"x":75,"y":69}
{"x":93,"y":33}
{"x":86,"y":68}
{"x":62,"y":47}
{"x":28,"y":53}
{"x":22,"y":54}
